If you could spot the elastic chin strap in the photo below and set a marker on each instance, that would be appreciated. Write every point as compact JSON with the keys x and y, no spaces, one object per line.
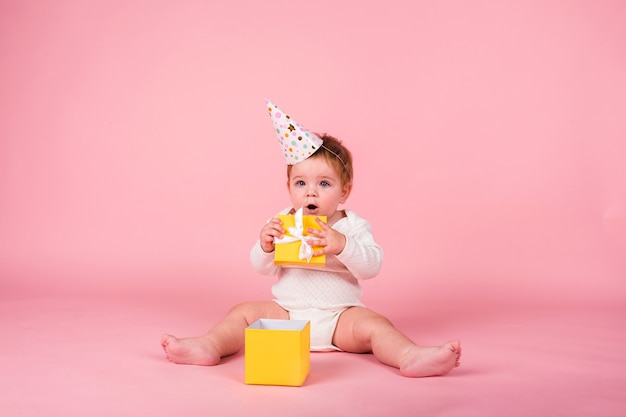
{"x":336,"y":156}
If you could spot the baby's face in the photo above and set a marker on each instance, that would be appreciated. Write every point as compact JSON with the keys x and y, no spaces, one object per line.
{"x":316,"y":186}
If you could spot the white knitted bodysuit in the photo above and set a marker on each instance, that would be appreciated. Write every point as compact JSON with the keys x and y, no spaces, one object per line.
{"x":320,"y":294}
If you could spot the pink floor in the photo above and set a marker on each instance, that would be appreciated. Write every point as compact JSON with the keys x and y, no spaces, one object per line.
{"x":100,"y":356}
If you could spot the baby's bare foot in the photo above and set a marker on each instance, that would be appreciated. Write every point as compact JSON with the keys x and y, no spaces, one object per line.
{"x":190,"y":351}
{"x":420,"y":361}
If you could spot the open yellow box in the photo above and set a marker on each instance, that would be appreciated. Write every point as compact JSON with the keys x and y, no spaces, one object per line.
{"x":288,"y":253}
{"x":277,"y":352}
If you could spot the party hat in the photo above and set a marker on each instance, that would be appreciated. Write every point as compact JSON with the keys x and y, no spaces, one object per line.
{"x":295,"y":140}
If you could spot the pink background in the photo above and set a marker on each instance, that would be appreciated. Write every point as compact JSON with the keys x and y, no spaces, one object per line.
{"x":138,"y":163}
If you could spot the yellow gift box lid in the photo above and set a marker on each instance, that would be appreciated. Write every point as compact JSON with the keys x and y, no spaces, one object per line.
{"x":288,"y":253}
{"x":277,"y":352}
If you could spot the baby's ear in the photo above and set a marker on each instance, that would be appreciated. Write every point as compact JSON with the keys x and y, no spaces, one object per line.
{"x":345,"y":192}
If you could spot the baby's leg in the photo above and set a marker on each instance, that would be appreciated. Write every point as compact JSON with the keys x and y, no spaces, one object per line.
{"x":226,"y":338}
{"x":360,"y":330}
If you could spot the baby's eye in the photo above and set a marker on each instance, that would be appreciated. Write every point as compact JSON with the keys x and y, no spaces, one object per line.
{"x":300,"y":183}
{"x":325,"y":184}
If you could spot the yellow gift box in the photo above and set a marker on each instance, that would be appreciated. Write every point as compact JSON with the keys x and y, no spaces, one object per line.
{"x":277,"y":352}
{"x":288,"y":253}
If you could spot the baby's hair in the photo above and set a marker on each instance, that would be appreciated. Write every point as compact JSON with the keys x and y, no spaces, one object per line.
{"x":335,"y":154}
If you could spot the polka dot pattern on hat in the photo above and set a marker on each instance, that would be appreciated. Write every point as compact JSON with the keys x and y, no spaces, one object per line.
{"x":296,"y":142}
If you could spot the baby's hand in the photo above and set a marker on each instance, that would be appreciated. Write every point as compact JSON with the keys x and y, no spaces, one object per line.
{"x":331,"y":241}
{"x":272,"y":229}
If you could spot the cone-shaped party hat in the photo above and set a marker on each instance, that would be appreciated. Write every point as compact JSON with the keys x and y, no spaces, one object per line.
{"x":295,"y":140}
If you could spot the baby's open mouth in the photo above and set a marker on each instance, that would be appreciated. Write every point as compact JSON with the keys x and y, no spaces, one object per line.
{"x":311,"y":207}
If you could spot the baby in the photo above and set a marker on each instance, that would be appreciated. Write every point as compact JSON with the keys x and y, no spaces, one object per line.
{"x":319,"y":173}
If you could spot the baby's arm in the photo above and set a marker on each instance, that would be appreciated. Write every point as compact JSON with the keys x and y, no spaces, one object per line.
{"x":353,"y":244}
{"x":263,"y":262}
{"x":361,"y":255}
{"x":261,"y":255}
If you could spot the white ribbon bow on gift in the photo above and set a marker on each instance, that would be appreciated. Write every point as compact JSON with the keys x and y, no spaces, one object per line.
{"x":297,"y":233}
